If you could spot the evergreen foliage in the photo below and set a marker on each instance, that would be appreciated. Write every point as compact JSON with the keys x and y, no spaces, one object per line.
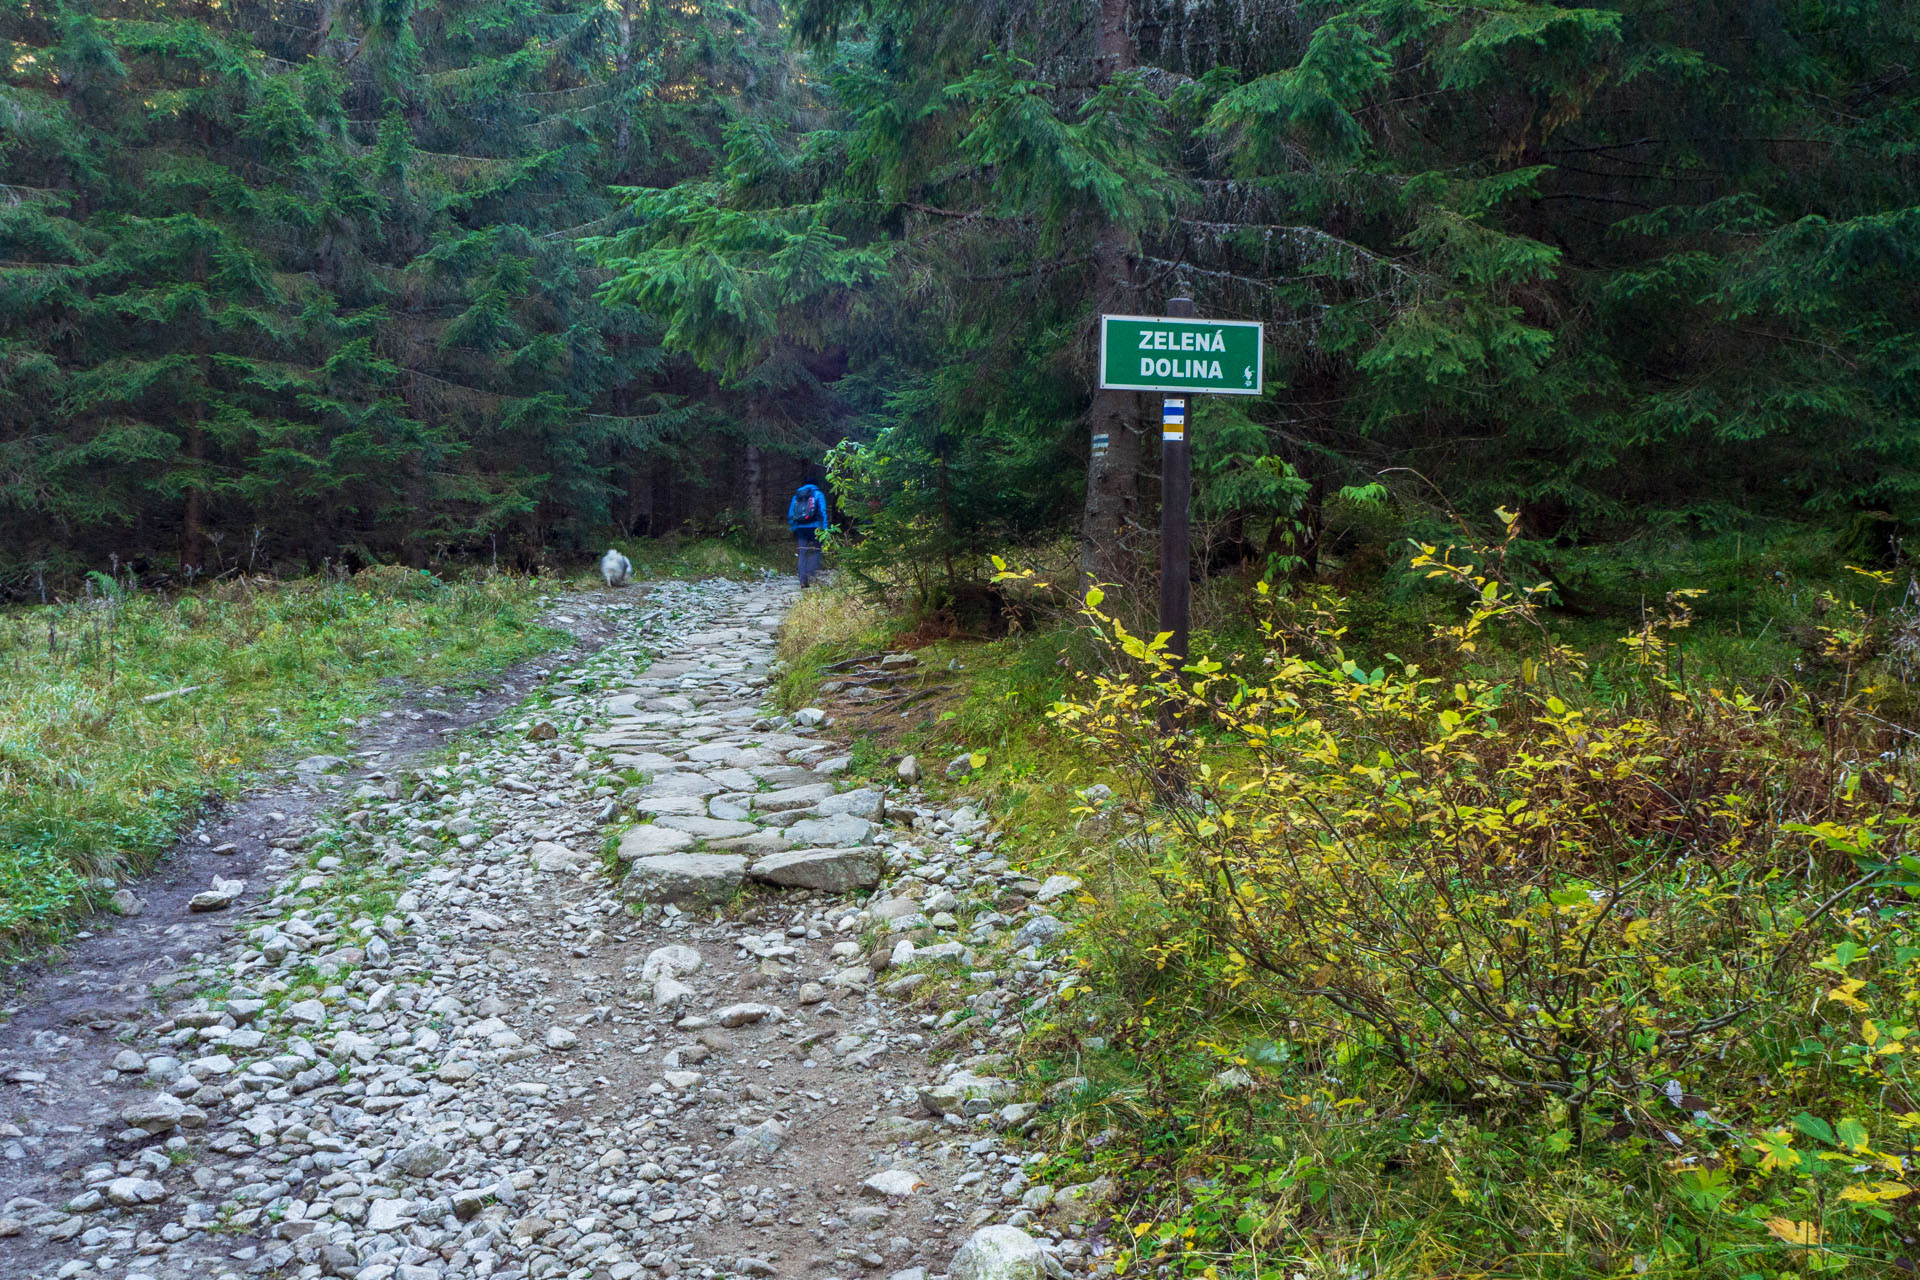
{"x":302,"y":280}
{"x":311,"y":279}
{"x":1609,"y":261}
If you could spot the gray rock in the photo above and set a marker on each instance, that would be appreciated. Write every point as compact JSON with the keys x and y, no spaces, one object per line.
{"x":810,"y":717}
{"x":959,"y":767}
{"x":739,"y":1015}
{"x":864,"y":802}
{"x":966,"y":1094}
{"x":671,"y":961}
{"x":127,"y":903}
{"x":830,"y":870}
{"x":804,"y":797}
{"x":668,"y":992}
{"x":552,"y":857}
{"x":1001,"y":1253}
{"x":707,"y":828}
{"x":128,"y":1192}
{"x":219,"y":897}
{"x":1039,"y":931}
{"x":155,"y":1113}
{"x":421,"y":1159}
{"x":309,"y":1013}
{"x":759,"y":844}
{"x":1083,"y":1203}
{"x":837,"y":831}
{"x":1056,"y":887}
{"x":761,"y":1139}
{"x":666,"y":806}
{"x":649,"y":841}
{"x":908,"y":771}
{"x":891,"y":1184}
{"x":687,"y":877}
{"x":680,"y":784}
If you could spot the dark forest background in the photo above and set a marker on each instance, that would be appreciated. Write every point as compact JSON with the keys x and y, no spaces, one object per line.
{"x":284,"y":281}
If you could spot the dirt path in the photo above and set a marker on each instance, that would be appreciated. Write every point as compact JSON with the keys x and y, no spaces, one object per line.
{"x":444,"y":1042}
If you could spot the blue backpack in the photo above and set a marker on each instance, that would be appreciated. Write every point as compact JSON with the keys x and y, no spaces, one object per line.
{"x":806,"y":505}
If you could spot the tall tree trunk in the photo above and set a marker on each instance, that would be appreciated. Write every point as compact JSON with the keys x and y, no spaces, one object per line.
{"x":323,"y":23}
{"x":622,"y":60}
{"x":756,"y":496}
{"x":193,"y":513}
{"x":661,"y":518}
{"x":1113,"y":473}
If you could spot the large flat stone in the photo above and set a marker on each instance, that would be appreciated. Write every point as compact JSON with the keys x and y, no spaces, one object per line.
{"x":838,"y":831}
{"x":734,"y":779}
{"x":680,"y":784}
{"x":645,"y":761}
{"x":862,"y":803}
{"x":660,"y":806}
{"x":792,"y":797}
{"x":831,"y":870}
{"x":760,"y":842}
{"x":715,"y":753}
{"x":649,"y":841}
{"x":784,"y":775}
{"x":708,"y":828}
{"x":687,"y":877}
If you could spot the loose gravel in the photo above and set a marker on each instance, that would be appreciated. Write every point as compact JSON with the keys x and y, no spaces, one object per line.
{"x":628,"y":983}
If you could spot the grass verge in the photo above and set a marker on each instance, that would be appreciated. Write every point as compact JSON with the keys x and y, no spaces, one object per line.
{"x":121,"y":714}
{"x":736,"y":556}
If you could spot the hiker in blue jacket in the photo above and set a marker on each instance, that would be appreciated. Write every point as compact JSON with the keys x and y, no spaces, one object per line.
{"x":806,"y":517}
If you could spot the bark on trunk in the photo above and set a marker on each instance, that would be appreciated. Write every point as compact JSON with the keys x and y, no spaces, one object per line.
{"x":623,"y":59}
{"x":193,"y":514}
{"x":756,"y":495}
{"x":1109,"y":522}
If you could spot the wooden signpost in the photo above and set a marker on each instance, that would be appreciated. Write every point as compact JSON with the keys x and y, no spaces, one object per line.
{"x":1182,"y":356}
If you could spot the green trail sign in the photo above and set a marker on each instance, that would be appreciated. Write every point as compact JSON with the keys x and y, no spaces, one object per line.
{"x":1160,"y":353}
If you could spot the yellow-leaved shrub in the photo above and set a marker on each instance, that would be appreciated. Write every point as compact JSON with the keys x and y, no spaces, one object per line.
{"x":1502,"y":888}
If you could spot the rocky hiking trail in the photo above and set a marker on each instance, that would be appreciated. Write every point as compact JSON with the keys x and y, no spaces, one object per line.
{"x":626,"y":982}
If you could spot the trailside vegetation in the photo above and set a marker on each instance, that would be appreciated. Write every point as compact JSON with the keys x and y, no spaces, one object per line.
{"x":1415,"y":938}
{"x":124,"y":714}
{"x":1485,"y":967}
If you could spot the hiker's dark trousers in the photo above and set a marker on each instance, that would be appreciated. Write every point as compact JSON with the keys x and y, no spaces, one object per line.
{"x":809,"y":540}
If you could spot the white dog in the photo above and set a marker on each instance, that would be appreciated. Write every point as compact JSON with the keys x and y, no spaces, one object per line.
{"x":616,"y":569}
